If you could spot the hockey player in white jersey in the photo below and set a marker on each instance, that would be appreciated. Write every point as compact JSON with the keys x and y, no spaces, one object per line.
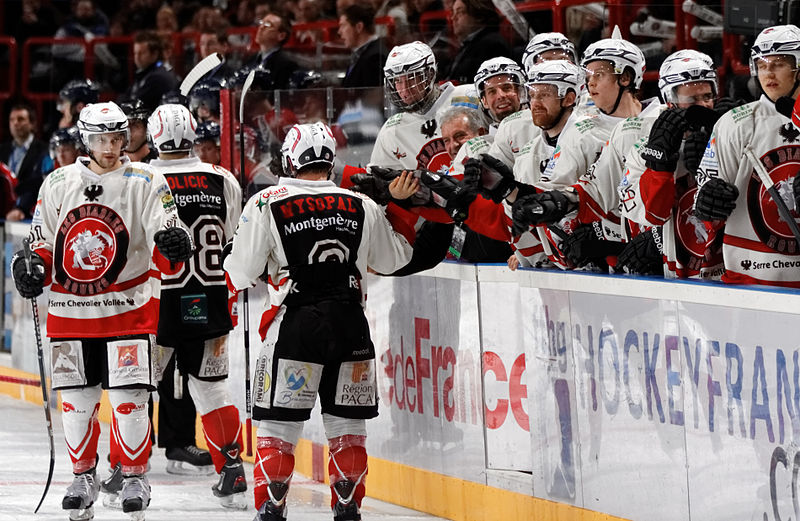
{"x":657,"y":191}
{"x":758,"y":246}
{"x":500,"y":83}
{"x":102,"y":230}
{"x":194,"y":320}
{"x":313,"y":242}
{"x":614,"y":69}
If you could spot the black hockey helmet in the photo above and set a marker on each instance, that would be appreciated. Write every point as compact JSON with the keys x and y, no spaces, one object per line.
{"x":80,"y":91}
{"x":135,"y":110}
{"x":207,"y":131}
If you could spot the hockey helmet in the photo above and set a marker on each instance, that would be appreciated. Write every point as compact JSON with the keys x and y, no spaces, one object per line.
{"x":174,"y":97}
{"x":682,"y":67}
{"x":622,"y":54}
{"x":101,"y":118}
{"x":415,"y":65}
{"x":172,"y":129}
{"x":564,"y":75}
{"x":308,"y":144}
{"x":63,"y":137}
{"x":207,"y":131}
{"x":135,"y":110}
{"x":776,"y":40}
{"x":80,"y":91}
{"x":496,"y":67}
{"x":543,"y":42}
{"x":205,"y":93}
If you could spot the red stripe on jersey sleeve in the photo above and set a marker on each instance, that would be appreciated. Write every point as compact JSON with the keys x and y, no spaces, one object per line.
{"x":658,"y":195}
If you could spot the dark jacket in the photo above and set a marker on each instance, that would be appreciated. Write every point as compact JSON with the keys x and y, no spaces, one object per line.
{"x":30,"y":175}
{"x":150,"y":83}
{"x":476,"y":49}
{"x":279,"y":64}
{"x":366,"y":66}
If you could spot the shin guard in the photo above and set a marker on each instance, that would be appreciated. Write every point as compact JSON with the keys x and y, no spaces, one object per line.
{"x":222,"y":428}
{"x":131,"y":428}
{"x":81,"y":427}
{"x":272,"y":472}
{"x":347,"y":469}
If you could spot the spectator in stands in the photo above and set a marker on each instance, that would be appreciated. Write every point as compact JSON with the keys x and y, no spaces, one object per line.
{"x":37,"y":19}
{"x":152,"y":79}
{"x":357,"y":30}
{"x":397,"y":10}
{"x":420,"y":7}
{"x":86,"y":22}
{"x":273,"y":32}
{"x":216,"y":40}
{"x":166,"y":21}
{"x":308,"y":11}
{"x":476,"y":24}
{"x":27,"y":158}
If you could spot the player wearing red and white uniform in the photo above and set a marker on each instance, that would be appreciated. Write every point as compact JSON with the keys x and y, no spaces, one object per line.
{"x":758,"y":246}
{"x":194,"y":321}
{"x":314,"y":241}
{"x":658,"y":188}
{"x":103,"y":229}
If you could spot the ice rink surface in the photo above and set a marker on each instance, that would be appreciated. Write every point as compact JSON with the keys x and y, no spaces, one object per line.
{"x":23,"y":471}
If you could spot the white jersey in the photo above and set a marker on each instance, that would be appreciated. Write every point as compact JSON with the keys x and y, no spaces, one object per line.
{"x":512,"y":134}
{"x":758,"y":245}
{"x":409,"y":140}
{"x":471,"y":149}
{"x":648,"y":199}
{"x":95,"y":232}
{"x":300,"y":223}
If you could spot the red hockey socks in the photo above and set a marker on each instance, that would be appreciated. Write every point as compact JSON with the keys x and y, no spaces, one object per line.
{"x":274,"y":466}
{"x":347,"y":462}
{"x":221,"y":428}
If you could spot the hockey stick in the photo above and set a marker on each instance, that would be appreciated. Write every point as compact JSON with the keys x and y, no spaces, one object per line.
{"x":26,"y":247}
{"x":783,"y":210}
{"x":245,"y":313}
{"x":517,"y":21}
{"x":203,"y":67}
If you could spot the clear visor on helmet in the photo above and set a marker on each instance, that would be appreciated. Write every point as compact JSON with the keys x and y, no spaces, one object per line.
{"x":107,"y":142}
{"x":410,"y":90}
{"x":542,"y":92}
{"x":501,"y":84}
{"x":553,"y":54}
{"x":775,"y":63}
{"x":598,"y":70}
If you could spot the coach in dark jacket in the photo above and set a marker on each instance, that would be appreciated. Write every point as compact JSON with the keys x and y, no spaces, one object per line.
{"x":273,"y":32}
{"x":152,"y":79}
{"x":476,"y":24}
{"x":357,"y":30}
{"x":27,"y":158}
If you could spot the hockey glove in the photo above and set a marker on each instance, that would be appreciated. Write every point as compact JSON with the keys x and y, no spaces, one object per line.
{"x":587,"y":244}
{"x":642,"y":255}
{"x":174,"y":244}
{"x":694,"y":146}
{"x":374,"y":187}
{"x":796,"y":192}
{"x":29,"y":283}
{"x":454,"y":196}
{"x":497,"y":180}
{"x":533,"y":209}
{"x":661,"y":151}
{"x":715,"y":200}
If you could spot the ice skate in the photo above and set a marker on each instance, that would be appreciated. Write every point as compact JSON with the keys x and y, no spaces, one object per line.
{"x":135,"y":496}
{"x":81,"y":495}
{"x":111,"y":487}
{"x":232,"y":483}
{"x":274,"y":508}
{"x":189,"y":461}
{"x":346,"y":510}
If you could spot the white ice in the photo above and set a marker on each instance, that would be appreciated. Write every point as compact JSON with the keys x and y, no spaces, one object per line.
{"x":25,"y":456}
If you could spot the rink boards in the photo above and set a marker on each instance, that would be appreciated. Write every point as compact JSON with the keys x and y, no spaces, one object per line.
{"x":559,"y":396}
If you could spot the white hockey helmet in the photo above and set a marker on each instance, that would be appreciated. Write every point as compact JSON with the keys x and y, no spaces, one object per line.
{"x":102,"y":118}
{"x":496,"y":67}
{"x":414,"y":61}
{"x":172,"y":127}
{"x":544,"y":42}
{"x":682,"y":67}
{"x":622,"y":54}
{"x":308,"y":144}
{"x":564,"y":75}
{"x":776,"y":40}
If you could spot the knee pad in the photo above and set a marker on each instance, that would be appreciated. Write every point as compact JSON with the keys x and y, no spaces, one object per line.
{"x":347,"y":470}
{"x":336,"y":426}
{"x":131,"y":428}
{"x":208,"y":396}
{"x":81,"y":428}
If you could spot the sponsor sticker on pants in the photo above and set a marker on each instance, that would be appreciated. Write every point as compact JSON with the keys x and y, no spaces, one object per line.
{"x":128,"y":362}
{"x":356,"y":383}
{"x":296,"y":384}
{"x":67,"y":363}
{"x":215,"y":358}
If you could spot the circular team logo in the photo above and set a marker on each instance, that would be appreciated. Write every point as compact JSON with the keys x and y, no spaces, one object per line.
{"x":769,"y":226}
{"x":433,"y":156}
{"x":91,"y":246}
{"x":691,"y":231}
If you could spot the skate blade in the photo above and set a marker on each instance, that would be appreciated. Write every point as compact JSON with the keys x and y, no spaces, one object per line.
{"x":112,"y":501}
{"x":236,"y":501}
{"x":81,"y":514}
{"x":181,"y":468}
{"x":137,"y":516}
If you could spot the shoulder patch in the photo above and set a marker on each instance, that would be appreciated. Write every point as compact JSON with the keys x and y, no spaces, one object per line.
{"x":586,"y":124}
{"x":394,"y":120}
{"x":737,"y":114}
{"x":57,"y":176}
{"x":138,"y":173}
{"x":477,"y":144}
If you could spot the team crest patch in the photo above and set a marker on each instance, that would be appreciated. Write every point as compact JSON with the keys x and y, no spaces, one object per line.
{"x":127,"y":356}
{"x":781,"y":164}
{"x":91,"y":243}
{"x":433,"y":155}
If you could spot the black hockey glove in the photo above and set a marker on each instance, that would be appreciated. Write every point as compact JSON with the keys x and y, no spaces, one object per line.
{"x":661,"y":151}
{"x":546,"y":207}
{"x":694,"y":146}
{"x":698,"y":116}
{"x":495,"y":179}
{"x":29,"y":283}
{"x":642,"y":255}
{"x":174,"y":244}
{"x":454,"y":196}
{"x":715,"y":200}
{"x":587,"y":244}
{"x":796,"y":192}
{"x":374,"y":187}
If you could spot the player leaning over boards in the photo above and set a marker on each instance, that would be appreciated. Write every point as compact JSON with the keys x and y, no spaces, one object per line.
{"x":758,"y":246}
{"x":314,"y":241}
{"x":101,"y":231}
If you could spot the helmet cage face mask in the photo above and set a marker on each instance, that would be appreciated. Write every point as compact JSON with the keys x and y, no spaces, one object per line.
{"x":420,"y":82}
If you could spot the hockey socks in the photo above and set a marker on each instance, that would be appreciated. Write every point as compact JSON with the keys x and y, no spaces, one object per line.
{"x":221,"y":428}
{"x":81,"y":427}
{"x":272,"y":472}
{"x":347,"y":469}
{"x":131,"y":429}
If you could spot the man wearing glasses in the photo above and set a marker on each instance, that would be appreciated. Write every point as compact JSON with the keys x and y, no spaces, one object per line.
{"x":273,"y":32}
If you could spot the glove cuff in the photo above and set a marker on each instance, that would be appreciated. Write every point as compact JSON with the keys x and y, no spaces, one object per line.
{"x":659,"y":160}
